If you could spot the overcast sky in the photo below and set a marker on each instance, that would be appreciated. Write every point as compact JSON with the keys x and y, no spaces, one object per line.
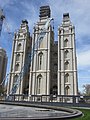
{"x":79,"y":10}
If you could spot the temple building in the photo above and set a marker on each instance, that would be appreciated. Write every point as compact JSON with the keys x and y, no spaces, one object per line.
{"x":52,"y":67}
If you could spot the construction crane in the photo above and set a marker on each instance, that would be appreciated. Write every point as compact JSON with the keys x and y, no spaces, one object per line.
{"x":3,"y":21}
{"x":2,"y":17}
{"x":30,"y":57}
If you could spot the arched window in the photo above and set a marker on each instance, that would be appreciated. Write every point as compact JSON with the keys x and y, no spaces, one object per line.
{"x":66,"y":43}
{"x":66,"y":78}
{"x":19,"y":46}
{"x":17,"y":57}
{"x":54,"y":90}
{"x":15,"y":78}
{"x":67,"y":90}
{"x":66,"y":54}
{"x":39,"y":43}
{"x":39,"y":79}
{"x":40,"y":60}
{"x":17,"y":67}
{"x":40,"y":40}
{"x":66,"y":65}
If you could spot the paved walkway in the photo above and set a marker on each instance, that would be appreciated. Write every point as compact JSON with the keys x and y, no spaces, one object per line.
{"x":20,"y":111}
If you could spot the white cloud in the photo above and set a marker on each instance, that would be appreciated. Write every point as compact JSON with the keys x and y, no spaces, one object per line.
{"x":84,"y":59}
{"x":79,"y":13}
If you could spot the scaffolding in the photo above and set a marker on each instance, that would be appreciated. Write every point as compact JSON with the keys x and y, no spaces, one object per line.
{"x":30,"y":57}
{"x":2,"y":17}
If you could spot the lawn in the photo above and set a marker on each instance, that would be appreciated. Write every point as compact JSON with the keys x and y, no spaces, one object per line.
{"x":86,"y":115}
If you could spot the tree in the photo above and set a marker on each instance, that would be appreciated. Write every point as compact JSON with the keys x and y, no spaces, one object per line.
{"x":86,"y":89}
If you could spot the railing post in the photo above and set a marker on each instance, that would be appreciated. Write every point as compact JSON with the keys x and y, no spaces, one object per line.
{"x":41,"y":98}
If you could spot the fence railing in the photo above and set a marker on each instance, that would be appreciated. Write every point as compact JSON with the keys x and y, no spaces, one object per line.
{"x":47,"y":98}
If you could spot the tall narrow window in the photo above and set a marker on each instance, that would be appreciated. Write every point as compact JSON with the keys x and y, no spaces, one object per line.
{"x":19,"y":47}
{"x":66,"y":54}
{"x":66,"y":65}
{"x":67,"y":90}
{"x":54,"y":90}
{"x":17,"y":67}
{"x":17,"y":57}
{"x":66,"y":78}
{"x":15,"y":78}
{"x":40,"y":60}
{"x":39,"y":78}
{"x":41,"y":42}
{"x":66,"y":43}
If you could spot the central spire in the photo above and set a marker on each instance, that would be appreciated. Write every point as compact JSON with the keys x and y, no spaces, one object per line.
{"x":44,"y":11}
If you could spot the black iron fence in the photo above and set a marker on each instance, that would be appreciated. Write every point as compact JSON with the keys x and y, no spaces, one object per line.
{"x":47,"y":98}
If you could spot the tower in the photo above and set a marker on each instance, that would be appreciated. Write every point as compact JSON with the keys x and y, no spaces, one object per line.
{"x":67,"y":65}
{"x":40,"y":70}
{"x":3,"y":64}
{"x":20,"y":50}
